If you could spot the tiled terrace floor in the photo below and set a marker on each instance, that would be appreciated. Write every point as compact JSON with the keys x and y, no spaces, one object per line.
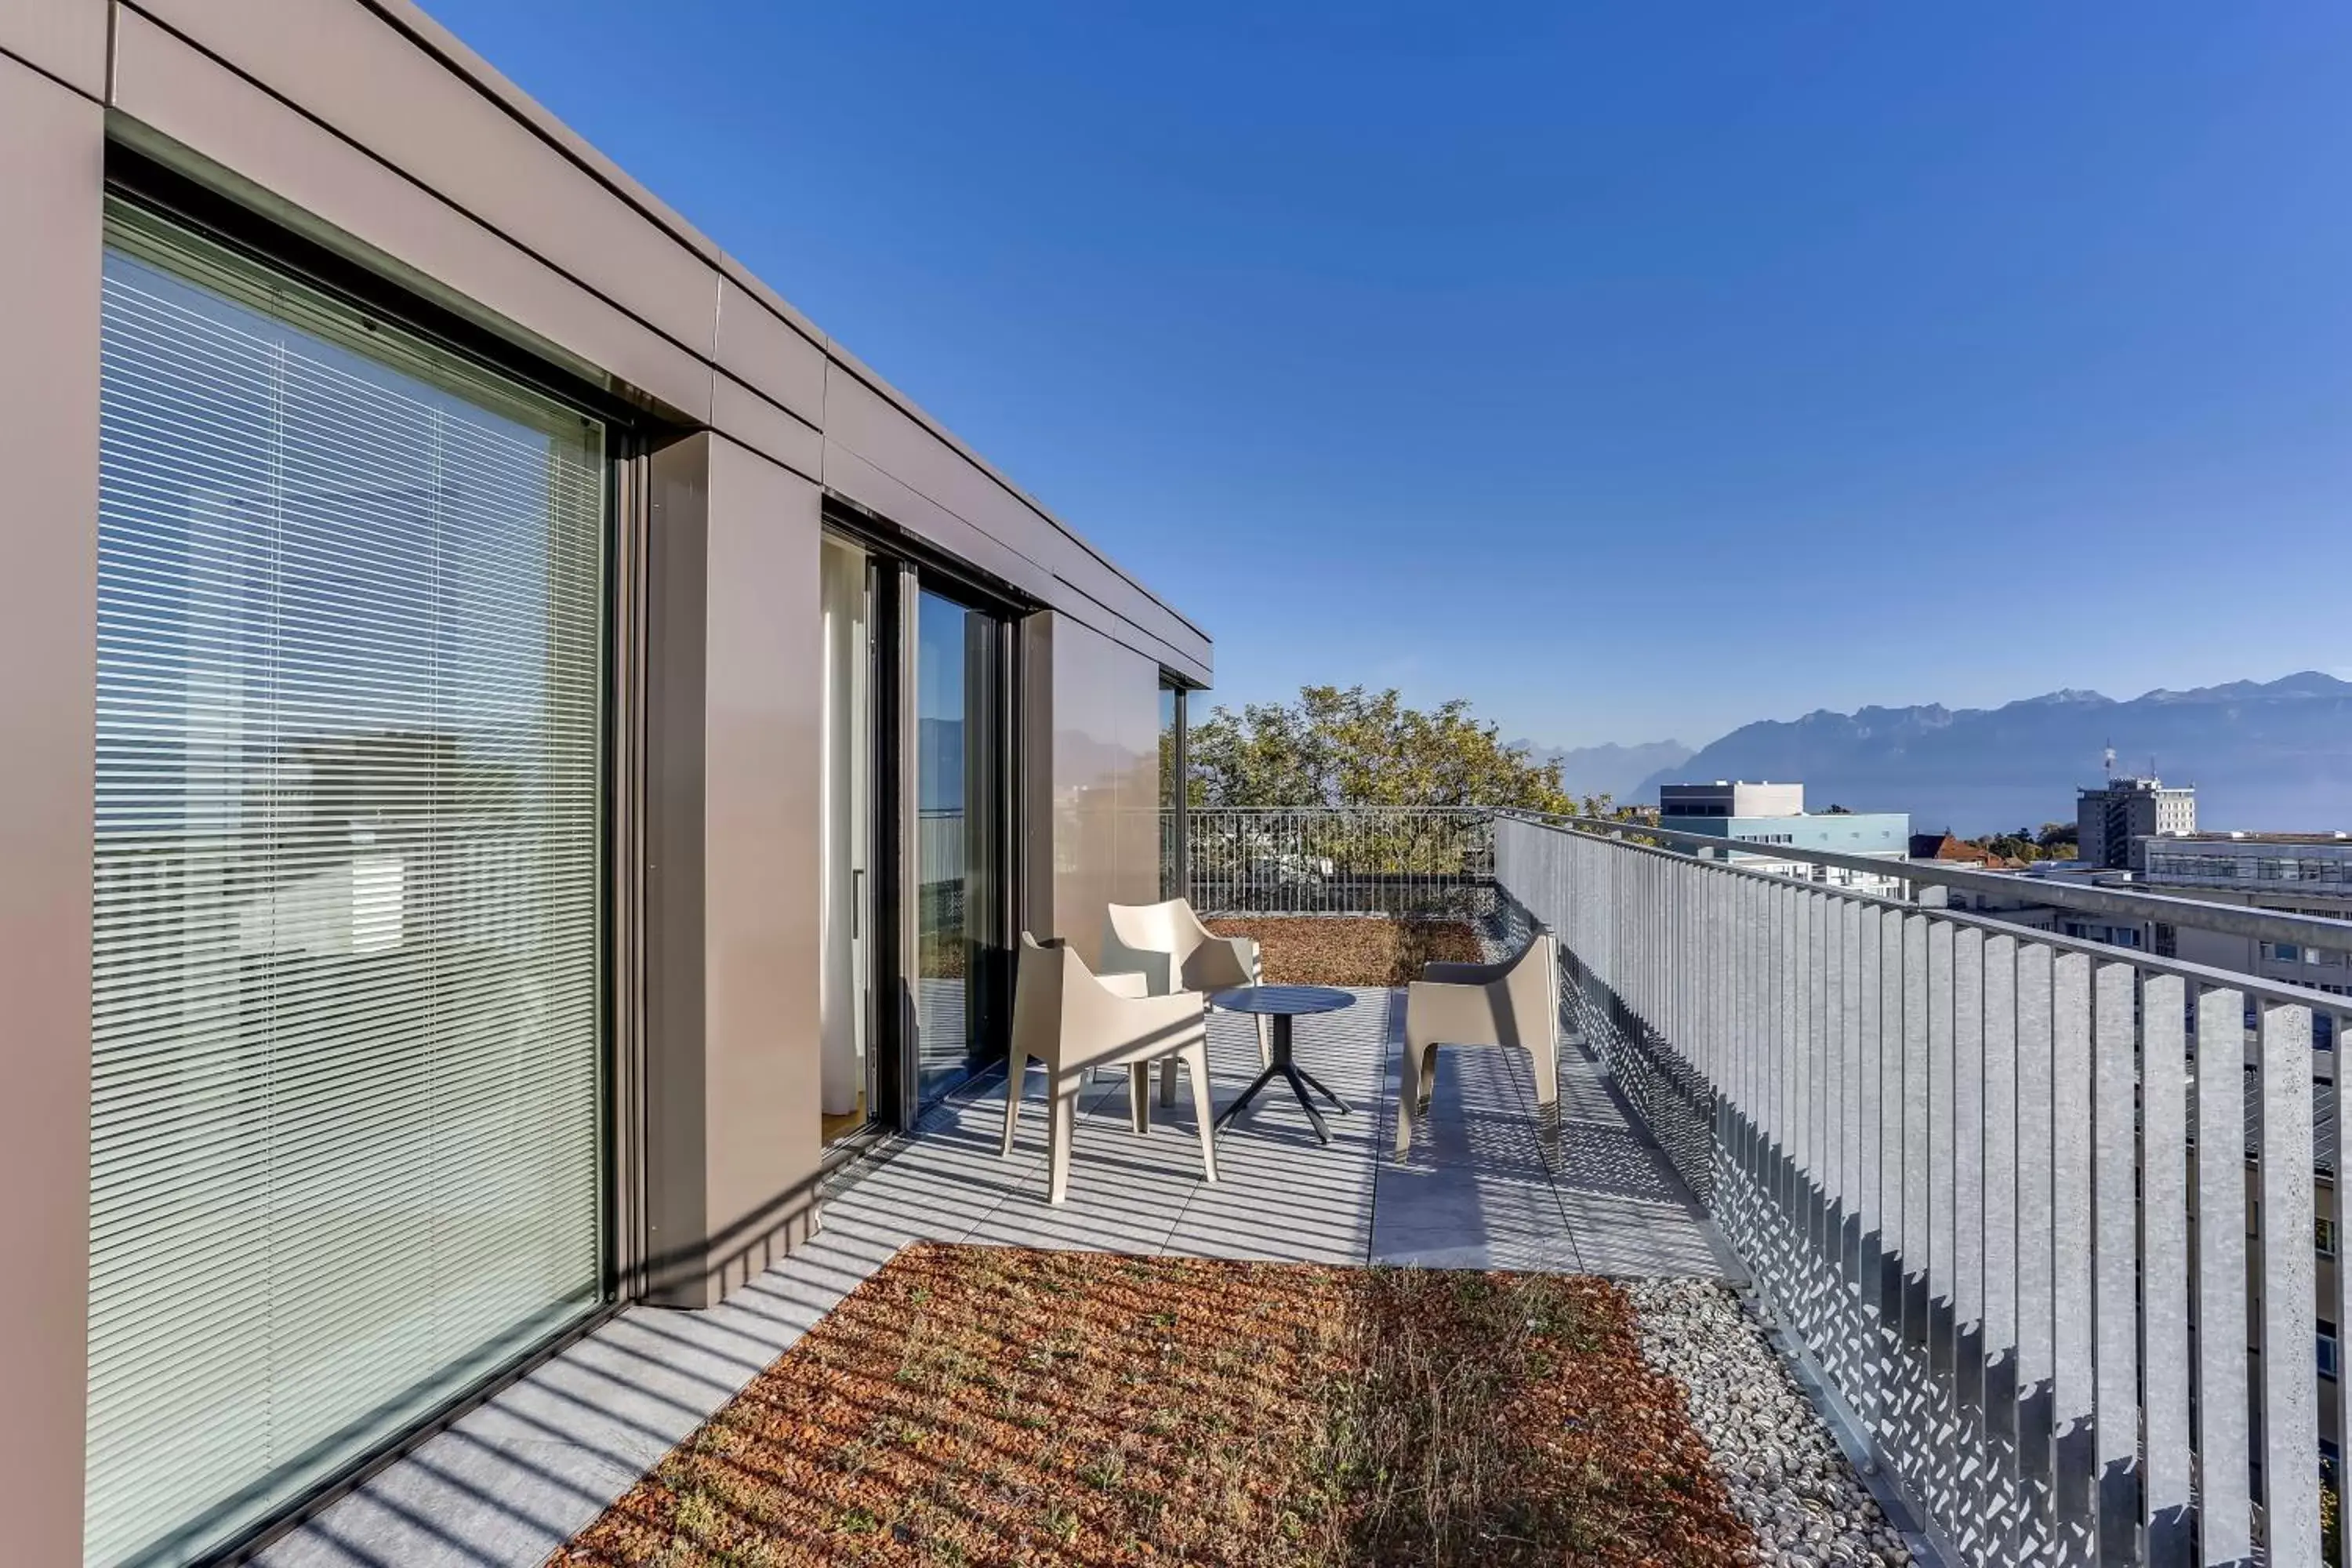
{"x":516,"y":1478}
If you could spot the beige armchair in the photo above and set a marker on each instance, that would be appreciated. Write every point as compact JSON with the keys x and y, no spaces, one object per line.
{"x":1063,"y":1016}
{"x":1515,"y":1003}
{"x":1169,"y":946}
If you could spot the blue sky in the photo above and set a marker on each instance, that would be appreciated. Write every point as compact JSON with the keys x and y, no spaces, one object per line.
{"x":1632,"y":371}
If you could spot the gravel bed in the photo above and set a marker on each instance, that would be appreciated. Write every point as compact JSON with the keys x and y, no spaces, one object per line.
{"x":1786,"y":1476}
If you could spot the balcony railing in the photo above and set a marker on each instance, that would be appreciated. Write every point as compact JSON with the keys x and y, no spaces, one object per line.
{"x":1398,"y":861}
{"x":1958,"y":1158}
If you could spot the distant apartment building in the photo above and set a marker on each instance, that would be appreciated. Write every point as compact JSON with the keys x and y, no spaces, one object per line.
{"x":2292,"y":873}
{"x":2020,"y":900}
{"x":2288,"y":873}
{"x":2111,"y":817}
{"x":1762,"y":815}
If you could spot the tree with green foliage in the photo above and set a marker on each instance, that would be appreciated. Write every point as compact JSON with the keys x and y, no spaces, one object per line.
{"x":1337,"y":747}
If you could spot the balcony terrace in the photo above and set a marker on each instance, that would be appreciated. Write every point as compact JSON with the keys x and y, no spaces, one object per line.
{"x":1952,"y":1161}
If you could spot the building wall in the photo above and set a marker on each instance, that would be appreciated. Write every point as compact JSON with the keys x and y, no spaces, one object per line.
{"x":51,"y":153}
{"x":2110,"y":820}
{"x":2327,"y":969}
{"x":364,"y":126}
{"x":1737,"y":798}
{"x":734,"y":1034}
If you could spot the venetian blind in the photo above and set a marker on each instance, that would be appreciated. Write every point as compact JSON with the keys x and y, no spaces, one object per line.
{"x":346,"y":1059}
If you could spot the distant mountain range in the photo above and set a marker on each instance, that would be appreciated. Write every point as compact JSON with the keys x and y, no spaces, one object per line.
{"x":1610,"y":770}
{"x":2263,"y":757}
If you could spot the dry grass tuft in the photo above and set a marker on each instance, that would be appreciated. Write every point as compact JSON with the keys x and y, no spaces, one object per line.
{"x":997,"y":1405}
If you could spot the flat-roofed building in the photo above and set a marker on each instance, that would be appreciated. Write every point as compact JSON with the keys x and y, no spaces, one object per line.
{"x":1761,"y":816}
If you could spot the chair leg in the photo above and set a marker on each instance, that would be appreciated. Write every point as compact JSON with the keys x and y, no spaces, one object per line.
{"x":1168,"y":1081}
{"x":1428,"y":1075}
{"x":1265,"y":1041}
{"x":1196,"y":1058}
{"x":1408,"y":1096}
{"x":1139,"y":1096}
{"x":1016,"y":1069}
{"x":1547,"y":1063}
{"x":1060,"y":1120}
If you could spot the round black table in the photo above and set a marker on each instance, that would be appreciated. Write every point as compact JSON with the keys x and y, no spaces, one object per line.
{"x":1282,"y":1003}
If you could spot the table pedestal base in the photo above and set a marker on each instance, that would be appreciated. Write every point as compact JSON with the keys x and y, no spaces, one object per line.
{"x":1299,"y":1080}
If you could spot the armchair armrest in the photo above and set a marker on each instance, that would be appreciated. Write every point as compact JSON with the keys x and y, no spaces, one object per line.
{"x":1154,"y":967}
{"x":1222,"y":962}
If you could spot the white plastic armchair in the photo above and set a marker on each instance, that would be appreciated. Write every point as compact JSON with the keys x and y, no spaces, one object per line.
{"x":1169,"y":946}
{"x":1515,"y":1003}
{"x":1065,"y":1017}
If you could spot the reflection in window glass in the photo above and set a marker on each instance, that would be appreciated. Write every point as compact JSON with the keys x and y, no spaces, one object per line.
{"x":346,"y":987}
{"x":956,"y":832}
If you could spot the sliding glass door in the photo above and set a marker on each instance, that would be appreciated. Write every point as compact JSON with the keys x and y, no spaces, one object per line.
{"x":959,"y":842}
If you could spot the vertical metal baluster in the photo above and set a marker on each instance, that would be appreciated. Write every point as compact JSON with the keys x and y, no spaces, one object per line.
{"x":1892,"y":1099}
{"x":2037,"y":1351}
{"x":1942,"y":1140}
{"x":1787,"y":972}
{"x":1968,"y":1222}
{"x":2071,"y":1240}
{"x":1870,"y":923}
{"x":2001,"y":1202}
{"x":2224,"y":1453}
{"x":2290,"y":1425}
{"x":1830,"y":1266}
{"x":1919,"y":1233}
{"x":2114,"y":1255}
{"x":2163,"y":1267}
{"x":1804,"y":1090}
{"x":1821,"y":1191}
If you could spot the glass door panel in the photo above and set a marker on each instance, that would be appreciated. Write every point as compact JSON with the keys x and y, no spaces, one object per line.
{"x":958,"y":840}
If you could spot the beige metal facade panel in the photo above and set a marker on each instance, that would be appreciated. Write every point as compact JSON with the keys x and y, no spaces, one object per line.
{"x":1034,"y":805}
{"x":743,"y":415}
{"x":674,"y":1174}
{"x":762,"y":822}
{"x":851,"y":476}
{"x":336,"y":61}
{"x":763,"y":350}
{"x":65,"y":39}
{"x":52,"y":150}
{"x":1106,"y":760}
{"x":412,"y":19}
{"x":194,"y":101}
{"x":1036,"y":531}
{"x":865,"y":422}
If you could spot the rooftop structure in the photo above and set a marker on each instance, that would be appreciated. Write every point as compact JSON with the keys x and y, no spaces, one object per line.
{"x":2110,"y":818}
{"x":1772,"y":816}
{"x":1731,"y":797}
